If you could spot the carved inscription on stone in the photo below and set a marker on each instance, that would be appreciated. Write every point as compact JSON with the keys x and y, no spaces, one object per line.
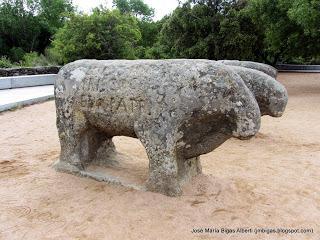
{"x":113,"y":104}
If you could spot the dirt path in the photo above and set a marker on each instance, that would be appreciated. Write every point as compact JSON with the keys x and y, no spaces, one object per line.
{"x":272,"y":180}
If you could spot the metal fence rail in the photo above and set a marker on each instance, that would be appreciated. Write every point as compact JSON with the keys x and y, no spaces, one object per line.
{"x":298,"y":68}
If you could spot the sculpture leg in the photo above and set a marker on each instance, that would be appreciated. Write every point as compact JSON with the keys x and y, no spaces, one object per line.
{"x":80,"y":143}
{"x":168,"y":172}
{"x":163,"y":167}
{"x":71,"y":126}
{"x":163,"y":173}
{"x":81,"y":149}
{"x":188,"y":168}
{"x":105,"y":153}
{"x":91,"y":142}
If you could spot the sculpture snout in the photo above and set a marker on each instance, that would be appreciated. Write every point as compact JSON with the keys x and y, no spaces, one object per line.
{"x":247,"y":121}
{"x":246,"y":128}
{"x":278,"y":102}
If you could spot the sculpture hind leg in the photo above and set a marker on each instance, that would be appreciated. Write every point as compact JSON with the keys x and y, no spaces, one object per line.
{"x":96,"y":147}
{"x":80,"y":143}
{"x":188,"y":168}
{"x":72,"y":126}
{"x":105,"y":151}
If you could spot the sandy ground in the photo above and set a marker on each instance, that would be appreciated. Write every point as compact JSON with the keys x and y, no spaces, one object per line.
{"x":272,"y":180}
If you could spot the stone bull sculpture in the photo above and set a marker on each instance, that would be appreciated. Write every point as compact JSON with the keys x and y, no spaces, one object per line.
{"x":178,"y":109}
{"x":265,"y":68}
{"x":271,"y":95}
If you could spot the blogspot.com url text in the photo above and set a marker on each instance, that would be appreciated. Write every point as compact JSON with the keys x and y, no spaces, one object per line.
{"x":267,"y":231}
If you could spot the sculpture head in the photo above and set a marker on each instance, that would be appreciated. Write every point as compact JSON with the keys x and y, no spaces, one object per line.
{"x":228,"y":109}
{"x":271,"y":95}
{"x":276,"y":101}
{"x":243,"y":111}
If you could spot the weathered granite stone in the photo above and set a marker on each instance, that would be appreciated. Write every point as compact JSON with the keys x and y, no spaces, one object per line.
{"x":178,"y":109}
{"x":267,"y":69}
{"x":271,"y":95}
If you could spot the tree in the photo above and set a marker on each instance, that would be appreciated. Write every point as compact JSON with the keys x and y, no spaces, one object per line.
{"x":51,"y":14}
{"x":103,"y":35}
{"x":135,"y":7}
{"x":291,"y":29}
{"x":18,"y":29}
{"x":210,"y":29}
{"x":149,"y":36}
{"x":28,"y":25}
{"x":148,"y":28}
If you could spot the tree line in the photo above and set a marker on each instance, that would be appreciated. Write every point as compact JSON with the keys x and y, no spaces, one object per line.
{"x":44,"y":32}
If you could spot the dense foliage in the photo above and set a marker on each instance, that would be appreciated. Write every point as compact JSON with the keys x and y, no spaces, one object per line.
{"x":136,"y":7}
{"x":291,"y":29}
{"x":40,"y":32}
{"x":28,"y":25}
{"x":149,"y":30}
{"x":104,"y":34}
{"x":210,"y":29}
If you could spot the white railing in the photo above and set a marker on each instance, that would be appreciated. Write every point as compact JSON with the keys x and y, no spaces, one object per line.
{"x":27,"y":81}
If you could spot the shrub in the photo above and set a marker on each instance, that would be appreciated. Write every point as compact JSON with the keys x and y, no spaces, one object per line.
{"x":103,"y":35}
{"x":16,"y":54}
{"x":5,"y":62}
{"x":32,"y":59}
